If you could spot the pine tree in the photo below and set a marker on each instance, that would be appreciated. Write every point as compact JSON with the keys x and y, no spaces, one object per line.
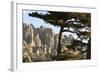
{"x":74,"y":20}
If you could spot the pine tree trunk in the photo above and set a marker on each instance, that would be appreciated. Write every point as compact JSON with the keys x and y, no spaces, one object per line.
{"x":59,"y":41}
{"x":89,"y":49}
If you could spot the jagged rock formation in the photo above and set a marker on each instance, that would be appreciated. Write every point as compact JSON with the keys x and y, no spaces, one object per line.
{"x":37,"y":43}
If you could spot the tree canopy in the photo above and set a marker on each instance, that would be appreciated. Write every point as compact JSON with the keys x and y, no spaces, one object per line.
{"x":61,"y":18}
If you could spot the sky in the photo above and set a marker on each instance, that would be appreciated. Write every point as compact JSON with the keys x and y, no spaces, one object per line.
{"x":38,"y":22}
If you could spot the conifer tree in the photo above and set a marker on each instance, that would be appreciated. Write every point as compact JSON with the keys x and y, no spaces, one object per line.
{"x":79,"y":22}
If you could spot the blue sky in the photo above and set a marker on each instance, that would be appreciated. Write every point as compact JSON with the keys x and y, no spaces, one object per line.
{"x":38,"y":22}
